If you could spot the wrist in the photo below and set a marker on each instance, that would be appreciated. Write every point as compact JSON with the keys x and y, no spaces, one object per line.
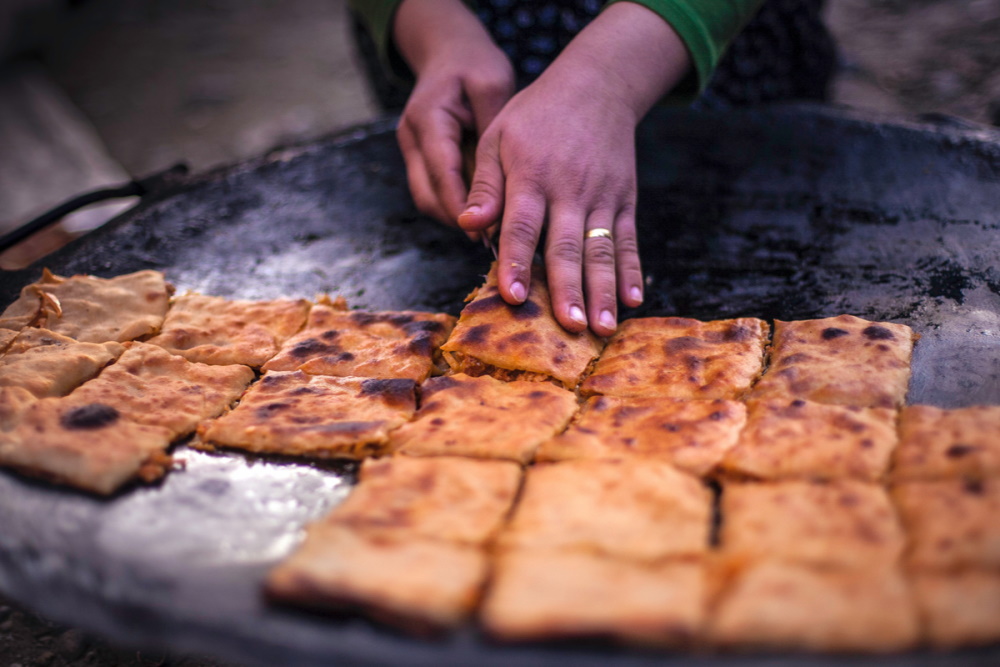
{"x":431,"y":34}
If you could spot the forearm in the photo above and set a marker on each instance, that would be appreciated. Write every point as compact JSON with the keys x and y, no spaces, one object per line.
{"x":436,"y":31}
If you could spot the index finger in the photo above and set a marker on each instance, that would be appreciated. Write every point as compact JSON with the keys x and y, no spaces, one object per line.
{"x":523,"y":217}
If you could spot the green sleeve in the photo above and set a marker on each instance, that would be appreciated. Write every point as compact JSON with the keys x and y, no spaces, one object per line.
{"x":706,"y":27}
{"x":376,"y":15}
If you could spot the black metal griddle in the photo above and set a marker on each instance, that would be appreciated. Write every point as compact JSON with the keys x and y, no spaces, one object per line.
{"x":787,"y":213}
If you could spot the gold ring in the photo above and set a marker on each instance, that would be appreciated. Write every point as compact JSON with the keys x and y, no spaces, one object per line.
{"x":599,"y":233}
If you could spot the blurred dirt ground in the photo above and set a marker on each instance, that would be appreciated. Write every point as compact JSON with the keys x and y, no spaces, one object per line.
{"x":214,"y":81}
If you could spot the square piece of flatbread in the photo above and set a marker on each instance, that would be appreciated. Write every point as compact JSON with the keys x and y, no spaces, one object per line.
{"x":950,"y":523}
{"x":422,"y":586}
{"x":680,"y":358}
{"x":482,"y":417}
{"x":297,"y":414}
{"x":91,"y":309}
{"x":403,"y":344}
{"x":844,"y":524}
{"x":635,"y":509}
{"x":546,"y":594}
{"x":798,"y":439}
{"x":939,"y":444}
{"x":522,"y":342}
{"x":50,"y":365}
{"x":442,"y":497}
{"x":148,"y":385}
{"x":693,"y":435}
{"x":842,"y":360}
{"x":213,"y":330}
{"x":959,"y":608}
{"x":779,"y":606}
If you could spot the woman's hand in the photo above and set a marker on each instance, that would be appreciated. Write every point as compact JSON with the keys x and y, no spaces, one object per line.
{"x":562,"y":151}
{"x":463,"y":80}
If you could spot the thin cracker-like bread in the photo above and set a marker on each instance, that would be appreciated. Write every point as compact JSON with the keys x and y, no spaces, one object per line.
{"x":213,"y":330}
{"x":841,"y":360}
{"x":693,"y":435}
{"x":482,"y":417}
{"x":453,"y":499}
{"x":518,"y":342}
{"x":89,"y":446}
{"x":779,"y":606}
{"x":960,"y":608}
{"x":402,"y":344}
{"x":844,"y":524}
{"x":91,"y":309}
{"x":297,"y":414}
{"x":950,"y":524}
{"x":148,"y":385}
{"x":422,"y":586}
{"x":50,"y":365}
{"x":546,"y":594}
{"x":798,"y":439}
{"x":636,"y":509}
{"x":678,"y":357}
{"x":940,"y":444}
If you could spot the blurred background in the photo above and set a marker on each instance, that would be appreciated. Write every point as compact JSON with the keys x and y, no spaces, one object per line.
{"x":96,"y":92}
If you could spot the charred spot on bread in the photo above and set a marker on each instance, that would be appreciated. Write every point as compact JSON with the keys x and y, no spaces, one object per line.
{"x":876,"y":332}
{"x":833,"y":332}
{"x":88,"y":417}
{"x":391,"y":390}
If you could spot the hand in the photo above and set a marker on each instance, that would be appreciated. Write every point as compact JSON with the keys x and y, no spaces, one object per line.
{"x":463,"y":80}
{"x":562,"y":151}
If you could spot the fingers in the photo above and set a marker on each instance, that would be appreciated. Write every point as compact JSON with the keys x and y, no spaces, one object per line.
{"x":627,"y":265}
{"x":431,"y":149}
{"x":523,"y":217}
{"x":486,"y":194}
{"x":564,"y":263}
{"x":600,"y":272}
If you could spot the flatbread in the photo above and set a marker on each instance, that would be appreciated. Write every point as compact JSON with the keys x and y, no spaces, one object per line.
{"x":693,"y":435}
{"x":445,"y":498}
{"x":844,"y":524}
{"x":842,"y":360}
{"x":951,"y":524}
{"x":939,"y":444}
{"x":635,"y":509}
{"x":212,"y":330}
{"x":518,"y":342}
{"x":298,"y":414}
{"x":90,"y":446}
{"x":91,"y":309}
{"x":680,"y":358}
{"x":798,"y":439}
{"x":404,"y":344}
{"x":148,"y":385}
{"x":422,"y":586}
{"x":544,"y":594}
{"x":7,"y":337}
{"x":778,"y":606}
{"x":482,"y":417}
{"x":959,"y":609}
{"x":49,"y":364}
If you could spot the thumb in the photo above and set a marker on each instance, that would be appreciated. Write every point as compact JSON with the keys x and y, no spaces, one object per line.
{"x":485,"y":203}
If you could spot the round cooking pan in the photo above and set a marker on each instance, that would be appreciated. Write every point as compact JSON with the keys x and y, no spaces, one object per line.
{"x":787,"y":213}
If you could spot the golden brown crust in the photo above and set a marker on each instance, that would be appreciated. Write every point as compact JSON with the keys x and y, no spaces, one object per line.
{"x":842,"y":524}
{"x":298,"y":414}
{"x":423,"y":586}
{"x":940,"y":444}
{"x":483,"y":417}
{"x":635,"y":509}
{"x":950,"y":524}
{"x":547,"y":594}
{"x":148,"y":385}
{"x":798,"y":439}
{"x":91,"y":309}
{"x":453,"y":499}
{"x":213,"y":330}
{"x":960,"y":608}
{"x":403,"y":344}
{"x":778,"y":606}
{"x":693,"y":435}
{"x":842,"y":360}
{"x":680,"y":358}
{"x":49,"y":364}
{"x":518,"y":338}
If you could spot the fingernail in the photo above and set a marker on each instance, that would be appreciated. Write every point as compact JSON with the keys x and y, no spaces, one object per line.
{"x":472,"y":210}
{"x":606,"y":319}
{"x":576,"y":314}
{"x":517,"y":291}
{"x":636,"y":294}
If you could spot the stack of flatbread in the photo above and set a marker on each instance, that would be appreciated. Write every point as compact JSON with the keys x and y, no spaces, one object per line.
{"x":683,"y":483}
